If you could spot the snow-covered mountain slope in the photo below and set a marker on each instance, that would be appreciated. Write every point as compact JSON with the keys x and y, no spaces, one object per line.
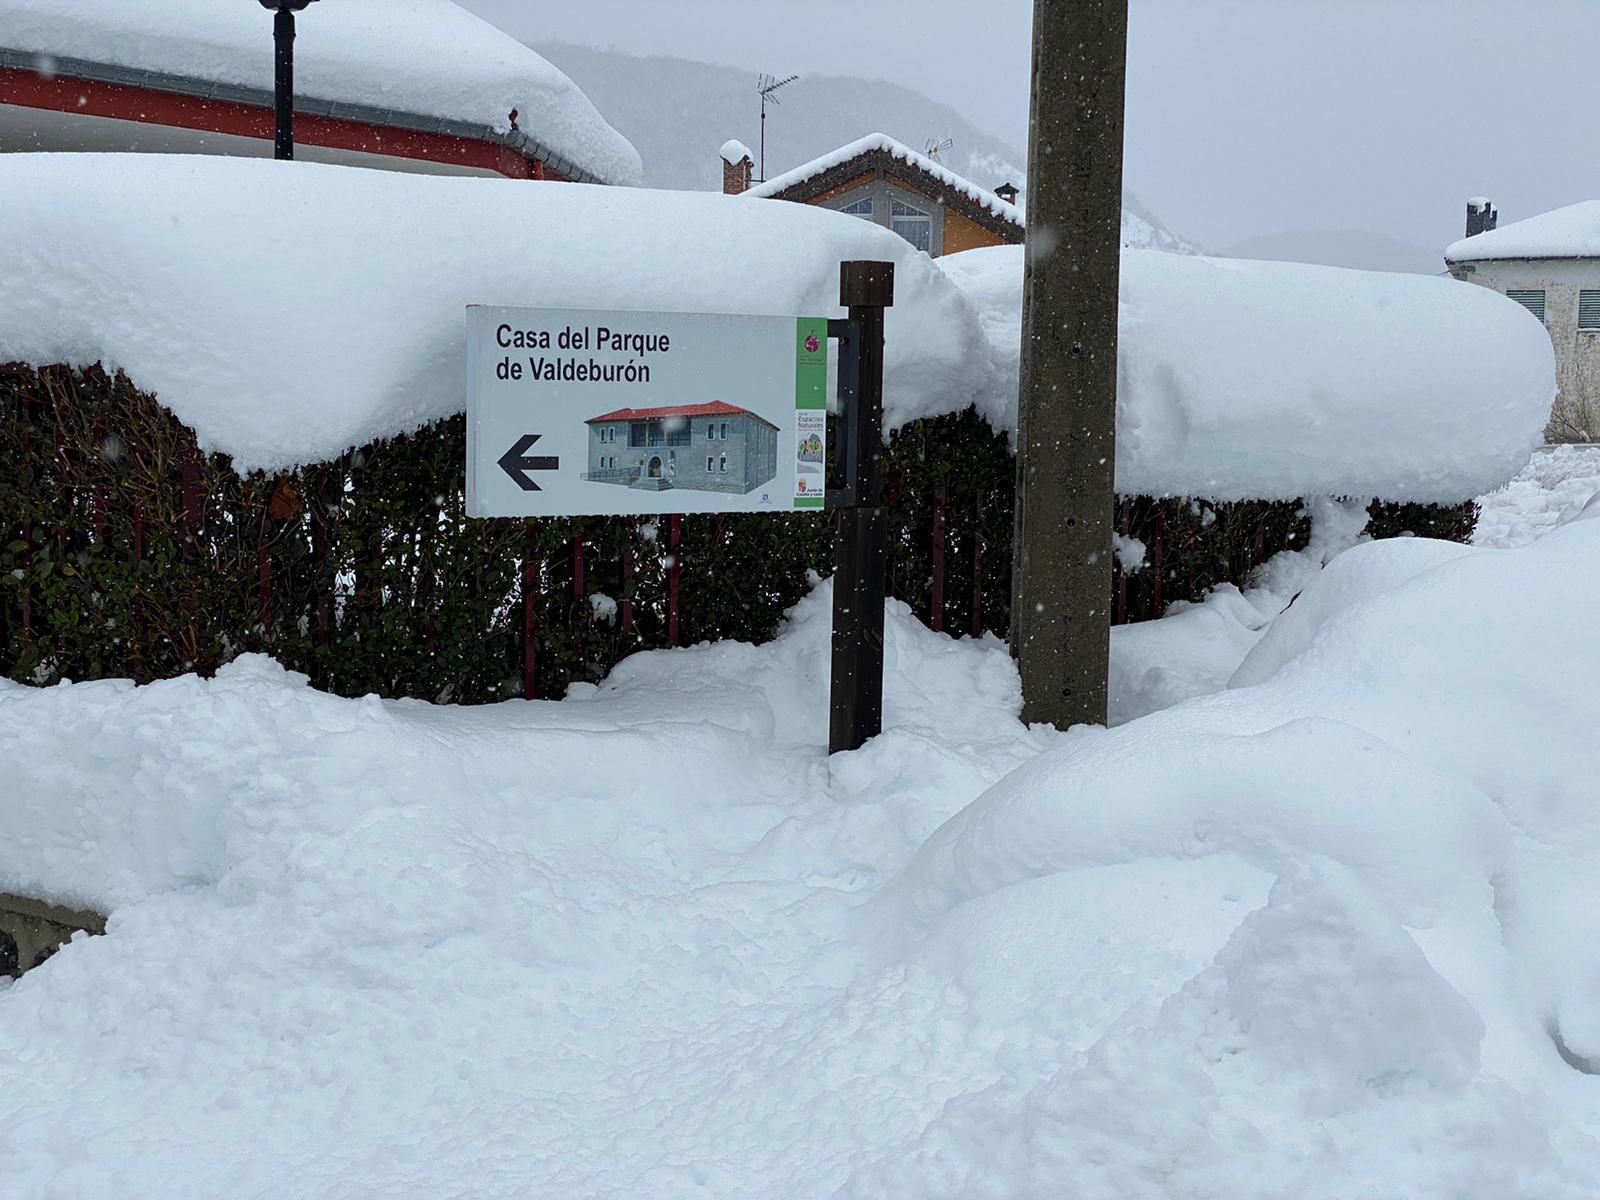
{"x":677,"y":112}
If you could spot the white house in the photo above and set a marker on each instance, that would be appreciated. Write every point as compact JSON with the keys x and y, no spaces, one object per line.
{"x":1550,"y":264}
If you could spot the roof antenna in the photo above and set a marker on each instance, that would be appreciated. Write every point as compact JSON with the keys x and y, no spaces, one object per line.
{"x":767,"y":85}
{"x":935,"y":147}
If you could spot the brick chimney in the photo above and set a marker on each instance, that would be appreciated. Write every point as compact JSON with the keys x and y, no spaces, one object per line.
{"x":737,"y":168}
{"x":1007,"y":192}
{"x":1481,"y":216}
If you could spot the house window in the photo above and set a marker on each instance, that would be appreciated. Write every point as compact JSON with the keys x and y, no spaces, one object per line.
{"x":709,"y":461}
{"x":678,"y":432}
{"x":723,"y":465}
{"x":912,"y":224}
{"x":636,"y":434}
{"x":1530,"y":299}
{"x":1589,"y":310}
{"x":724,"y":434}
{"x":860,"y":208}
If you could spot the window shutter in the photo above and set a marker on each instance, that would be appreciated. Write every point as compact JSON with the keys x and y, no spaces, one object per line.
{"x":1589,"y":309}
{"x":1530,"y":299}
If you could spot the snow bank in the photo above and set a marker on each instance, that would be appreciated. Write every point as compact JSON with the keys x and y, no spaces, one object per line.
{"x":1329,"y":935}
{"x":1556,"y":485}
{"x":1403,"y":805}
{"x":1571,"y":232}
{"x":427,"y":58}
{"x":288,"y":312}
{"x":1277,"y":380}
{"x":1195,"y":649}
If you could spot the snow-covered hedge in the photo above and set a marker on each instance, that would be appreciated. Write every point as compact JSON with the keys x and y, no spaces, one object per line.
{"x":1258,"y":379}
{"x":290,"y":312}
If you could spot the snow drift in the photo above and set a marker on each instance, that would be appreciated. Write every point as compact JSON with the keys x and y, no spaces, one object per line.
{"x":1241,"y":379}
{"x":1328,"y":935}
{"x":424,"y":58}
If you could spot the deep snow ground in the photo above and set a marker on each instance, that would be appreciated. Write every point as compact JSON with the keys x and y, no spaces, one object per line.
{"x":1329,"y":933}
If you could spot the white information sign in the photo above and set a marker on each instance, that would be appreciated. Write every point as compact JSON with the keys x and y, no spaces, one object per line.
{"x":587,"y":412}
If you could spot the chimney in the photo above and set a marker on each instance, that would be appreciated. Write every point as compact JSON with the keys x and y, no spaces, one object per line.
{"x":1007,"y":192}
{"x":1481,"y":216}
{"x":737,"y":168}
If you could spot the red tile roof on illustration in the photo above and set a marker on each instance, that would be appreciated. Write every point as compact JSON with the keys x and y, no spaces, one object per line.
{"x":715,"y":408}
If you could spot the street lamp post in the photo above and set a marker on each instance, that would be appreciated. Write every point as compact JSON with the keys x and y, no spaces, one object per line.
{"x":283,"y":78}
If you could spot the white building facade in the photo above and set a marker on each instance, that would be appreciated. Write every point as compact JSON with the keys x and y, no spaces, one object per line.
{"x":1550,"y":264}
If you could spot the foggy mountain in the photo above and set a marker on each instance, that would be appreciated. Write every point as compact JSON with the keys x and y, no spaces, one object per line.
{"x":1359,"y":248}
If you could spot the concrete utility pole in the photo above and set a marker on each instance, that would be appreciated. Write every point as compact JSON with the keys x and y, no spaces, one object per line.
{"x":1066,"y":412}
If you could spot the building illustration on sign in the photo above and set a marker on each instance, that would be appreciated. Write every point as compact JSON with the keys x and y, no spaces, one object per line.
{"x":713,"y":447}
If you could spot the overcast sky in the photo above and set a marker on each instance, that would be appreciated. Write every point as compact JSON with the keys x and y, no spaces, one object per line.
{"x":1245,"y":117}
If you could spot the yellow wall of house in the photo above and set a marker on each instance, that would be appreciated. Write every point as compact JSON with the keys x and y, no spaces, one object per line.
{"x":960,"y":234}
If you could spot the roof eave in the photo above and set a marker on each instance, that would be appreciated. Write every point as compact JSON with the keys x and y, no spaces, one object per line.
{"x":878,"y":157}
{"x":339,"y":110}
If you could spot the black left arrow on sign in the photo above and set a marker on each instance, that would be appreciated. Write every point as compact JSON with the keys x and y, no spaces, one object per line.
{"x":517,"y":462}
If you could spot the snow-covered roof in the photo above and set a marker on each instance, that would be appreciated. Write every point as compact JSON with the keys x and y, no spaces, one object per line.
{"x":419,"y":58}
{"x":980,"y":196}
{"x":1571,"y":232}
{"x":735,"y":151}
{"x":1241,"y":379}
{"x":1237,"y":379}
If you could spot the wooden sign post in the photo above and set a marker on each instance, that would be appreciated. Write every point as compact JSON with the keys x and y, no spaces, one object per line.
{"x":860,"y":538}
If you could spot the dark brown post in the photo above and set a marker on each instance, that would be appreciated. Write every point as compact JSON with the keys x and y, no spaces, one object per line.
{"x":936,"y":599}
{"x":856,"y":707}
{"x":530,"y":596}
{"x":1066,"y":410}
{"x":674,"y":542}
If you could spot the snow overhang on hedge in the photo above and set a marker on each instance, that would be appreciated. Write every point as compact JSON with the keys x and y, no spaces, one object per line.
{"x":289,"y":311}
{"x":1240,"y":379}
{"x":418,"y":58}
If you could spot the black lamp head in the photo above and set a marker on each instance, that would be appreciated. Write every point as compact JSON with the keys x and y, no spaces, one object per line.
{"x":291,"y":5}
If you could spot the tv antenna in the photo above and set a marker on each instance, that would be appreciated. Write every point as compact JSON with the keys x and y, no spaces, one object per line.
{"x":935,"y":147}
{"x":767,"y":85}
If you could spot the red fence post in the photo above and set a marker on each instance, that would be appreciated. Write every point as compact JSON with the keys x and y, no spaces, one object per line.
{"x":579,"y":591}
{"x":977,"y":568}
{"x":936,"y":602}
{"x":1157,"y":560}
{"x":674,"y":543}
{"x":98,"y":532}
{"x":26,"y":402}
{"x":627,"y":578}
{"x":530,"y":593}
{"x":138,"y":559}
{"x":891,"y":558}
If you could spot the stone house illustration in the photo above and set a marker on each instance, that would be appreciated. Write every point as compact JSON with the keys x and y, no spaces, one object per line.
{"x":714,"y":447}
